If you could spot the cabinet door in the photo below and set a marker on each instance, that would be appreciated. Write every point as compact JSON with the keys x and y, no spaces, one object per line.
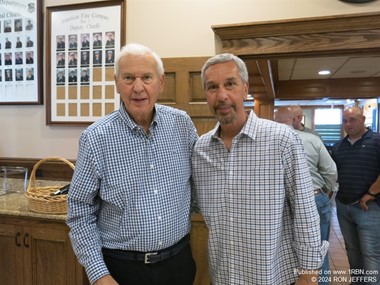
{"x":48,"y":257}
{"x":11,"y":254}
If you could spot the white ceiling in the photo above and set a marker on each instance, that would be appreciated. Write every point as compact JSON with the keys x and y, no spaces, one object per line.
{"x":340,"y":67}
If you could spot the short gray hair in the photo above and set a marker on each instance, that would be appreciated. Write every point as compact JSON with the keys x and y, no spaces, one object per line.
{"x":222,"y":58}
{"x":138,"y":49}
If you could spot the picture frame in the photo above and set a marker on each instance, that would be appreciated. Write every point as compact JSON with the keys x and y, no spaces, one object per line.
{"x":21,"y":57}
{"x":82,"y":43}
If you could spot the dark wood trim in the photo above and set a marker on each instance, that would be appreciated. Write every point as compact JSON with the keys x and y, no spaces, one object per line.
{"x":50,"y":170}
{"x":306,"y":36}
{"x":328,"y":88}
{"x":300,"y":26}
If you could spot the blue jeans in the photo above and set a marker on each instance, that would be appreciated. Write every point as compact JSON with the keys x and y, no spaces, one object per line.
{"x":324,"y":210}
{"x":361,"y":233}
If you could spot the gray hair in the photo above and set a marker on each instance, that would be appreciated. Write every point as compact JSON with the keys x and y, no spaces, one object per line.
{"x":222,"y":58}
{"x":137,"y":49}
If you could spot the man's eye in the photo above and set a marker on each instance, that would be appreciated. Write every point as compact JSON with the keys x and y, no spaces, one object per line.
{"x":147,"y":78}
{"x":212,"y":87}
{"x":128,"y":79}
{"x":229,"y":84}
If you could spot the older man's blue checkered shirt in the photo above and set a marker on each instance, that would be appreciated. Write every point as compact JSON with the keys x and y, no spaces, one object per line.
{"x":258,"y":203}
{"x":131,"y":191}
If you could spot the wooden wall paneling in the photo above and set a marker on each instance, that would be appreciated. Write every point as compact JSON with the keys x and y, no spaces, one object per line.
{"x":264,"y":108}
{"x":185,"y":90}
{"x":198,"y":241}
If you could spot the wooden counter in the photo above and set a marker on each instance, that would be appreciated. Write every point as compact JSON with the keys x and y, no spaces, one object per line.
{"x":16,"y":204}
{"x":36,"y":250}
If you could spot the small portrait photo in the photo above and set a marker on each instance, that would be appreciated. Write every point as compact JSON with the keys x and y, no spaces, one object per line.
{"x":73,"y":60}
{"x":19,"y":74}
{"x":1,"y":75}
{"x":97,"y":59}
{"x":85,"y":43}
{"x":8,"y":58}
{"x":73,"y":78}
{"x":7,"y":26}
{"x":29,"y":42}
{"x":8,"y":43}
{"x":60,"y":59}
{"x":110,"y":39}
{"x":8,"y":75}
{"x":18,"y":42}
{"x":29,"y":57}
{"x":31,"y":7}
{"x":73,"y":42}
{"x":30,"y":74}
{"x":18,"y":25}
{"x":97,"y":42}
{"x":61,"y":77}
{"x":110,"y":57}
{"x":18,"y":58}
{"x":61,"y":42}
{"x":29,"y":25}
{"x":84,"y":58}
{"x":0,"y":60}
{"x":85,"y":77}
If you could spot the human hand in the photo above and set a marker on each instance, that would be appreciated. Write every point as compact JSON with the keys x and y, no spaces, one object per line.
{"x":106,"y":280}
{"x":307,"y":279}
{"x":364,"y":200}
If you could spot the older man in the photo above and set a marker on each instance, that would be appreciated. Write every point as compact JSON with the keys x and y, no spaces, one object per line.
{"x":129,"y":200}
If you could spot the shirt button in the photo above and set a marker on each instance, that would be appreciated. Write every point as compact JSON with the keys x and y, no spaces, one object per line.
{"x":159,"y":218}
{"x":231,"y":219}
{"x":151,"y":166}
{"x":155,"y":191}
{"x":231,"y":242}
{"x":160,"y":243}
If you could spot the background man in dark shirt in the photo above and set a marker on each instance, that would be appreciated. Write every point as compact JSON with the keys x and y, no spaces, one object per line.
{"x":357,"y":157}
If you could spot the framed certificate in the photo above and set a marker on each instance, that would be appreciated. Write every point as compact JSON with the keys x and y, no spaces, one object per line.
{"x":20,"y":52}
{"x":82,"y":43}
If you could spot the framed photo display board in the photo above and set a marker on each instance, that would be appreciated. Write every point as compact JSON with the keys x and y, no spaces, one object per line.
{"x":20,"y":52}
{"x":83,"y":41}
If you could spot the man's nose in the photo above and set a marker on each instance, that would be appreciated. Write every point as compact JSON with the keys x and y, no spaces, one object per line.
{"x":138,"y":84}
{"x":222,"y":94}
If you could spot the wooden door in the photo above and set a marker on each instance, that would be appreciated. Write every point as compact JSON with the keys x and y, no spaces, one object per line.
{"x":11,"y":254}
{"x":48,"y":257}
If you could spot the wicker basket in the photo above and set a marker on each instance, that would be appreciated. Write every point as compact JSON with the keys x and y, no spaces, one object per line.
{"x":40,"y":198}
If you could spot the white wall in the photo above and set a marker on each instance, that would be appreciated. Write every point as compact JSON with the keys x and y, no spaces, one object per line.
{"x":173,"y":28}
